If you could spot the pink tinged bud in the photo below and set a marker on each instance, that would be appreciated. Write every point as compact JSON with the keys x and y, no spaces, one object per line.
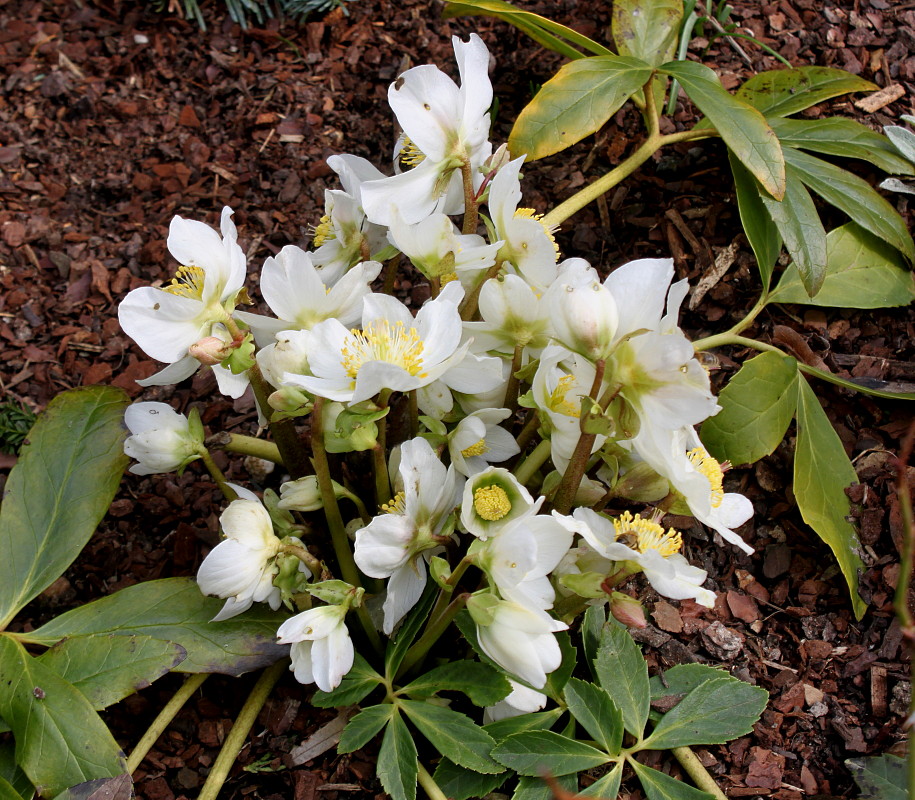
{"x":627,"y":610}
{"x":210,"y":350}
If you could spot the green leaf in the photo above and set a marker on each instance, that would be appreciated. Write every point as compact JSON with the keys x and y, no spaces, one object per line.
{"x":483,"y":684}
{"x":400,"y":642}
{"x":397,"y":762}
{"x":539,"y":789}
{"x":822,"y":471}
{"x":537,"y":752}
{"x":592,"y":625}
{"x":861,"y":272}
{"x":107,"y":668}
{"x":361,"y":729}
{"x":855,"y":197}
{"x":60,"y":740}
{"x":714,"y":712}
{"x":59,"y":490}
{"x":576,"y":102}
{"x":782,"y":92}
{"x":607,"y":786}
{"x":537,"y":721}
{"x":454,"y":735}
{"x":117,"y":788}
{"x":7,"y":792}
{"x":683,"y":678}
{"x":647,"y":29}
{"x":557,"y":679}
{"x":871,"y":386}
{"x":757,"y":406}
{"x":744,"y":130}
{"x":13,"y":775}
{"x":837,"y":136}
{"x":623,"y":674}
{"x":597,"y":713}
{"x":800,"y":227}
{"x":762,"y":233}
{"x":458,"y":783}
{"x":880,"y":778}
{"x":174,"y":609}
{"x":356,"y":685}
{"x":659,"y":786}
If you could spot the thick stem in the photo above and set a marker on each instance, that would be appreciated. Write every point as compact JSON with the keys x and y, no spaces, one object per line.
{"x":216,"y":474}
{"x":304,"y":556}
{"x":294,"y":457}
{"x":431,"y":788}
{"x":723,"y":339}
{"x":468,"y":307}
{"x":246,"y":446}
{"x":162,"y":721}
{"x":234,"y":742}
{"x":526,"y":469}
{"x":530,"y":428}
{"x":511,"y":389}
{"x":471,"y":208}
{"x":693,"y":767}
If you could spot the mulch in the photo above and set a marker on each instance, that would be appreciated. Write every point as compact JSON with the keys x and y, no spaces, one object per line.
{"x":114,"y":118}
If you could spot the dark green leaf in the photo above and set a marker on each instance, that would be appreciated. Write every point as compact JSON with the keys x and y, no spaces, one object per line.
{"x":861,"y":272}
{"x":458,"y":783}
{"x":837,"y":136}
{"x":800,"y":227}
{"x":355,"y":686}
{"x":596,"y":713}
{"x":880,"y":778}
{"x":744,"y":130}
{"x":781,"y":92}
{"x":174,"y":609}
{"x":608,"y":786}
{"x":683,"y":678}
{"x":762,"y":233}
{"x":822,"y":472}
{"x":409,"y":630}
{"x":59,"y":490}
{"x":757,"y":406}
{"x":483,"y":684}
{"x":7,"y":792}
{"x":592,"y":624}
{"x":397,"y":763}
{"x":659,"y":786}
{"x":537,"y":752}
{"x":714,"y":712}
{"x":646,"y":29}
{"x":12,"y":774}
{"x":871,"y":386}
{"x":576,"y":102}
{"x":537,"y":721}
{"x":539,"y":789}
{"x":623,"y":674}
{"x":108,"y":668}
{"x":455,"y":735}
{"x":60,"y":740}
{"x":361,"y":729}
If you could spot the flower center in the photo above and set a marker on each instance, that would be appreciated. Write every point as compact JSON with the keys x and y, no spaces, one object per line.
{"x":188,"y":282}
{"x":383,"y":341}
{"x":712,"y":470}
{"x":491,"y":502}
{"x":324,"y":231}
{"x":475,"y":449}
{"x":558,"y":401}
{"x":397,"y":505}
{"x":410,"y":155}
{"x":648,"y":535}
{"x":530,"y":213}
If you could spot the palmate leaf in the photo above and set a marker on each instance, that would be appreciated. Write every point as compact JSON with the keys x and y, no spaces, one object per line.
{"x":397,"y":762}
{"x":782,"y":92}
{"x":537,"y":752}
{"x":597,"y":713}
{"x":363,"y":727}
{"x":659,"y":786}
{"x":454,"y":735}
{"x":483,"y":684}
{"x":623,"y":673}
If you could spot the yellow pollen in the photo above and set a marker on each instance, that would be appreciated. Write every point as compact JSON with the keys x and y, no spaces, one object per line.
{"x":397,"y":505}
{"x":410,"y":155}
{"x":383,"y":341}
{"x":323,"y":231}
{"x":491,"y":502}
{"x":188,"y":282}
{"x":475,"y":449}
{"x":447,"y":278}
{"x":558,"y":401}
{"x":530,"y":213}
{"x":648,"y":535}
{"x":712,"y":470}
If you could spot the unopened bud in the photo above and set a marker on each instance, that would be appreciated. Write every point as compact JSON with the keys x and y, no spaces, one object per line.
{"x":497,"y":160}
{"x":301,"y":495}
{"x":627,"y":610}
{"x":210,"y":350}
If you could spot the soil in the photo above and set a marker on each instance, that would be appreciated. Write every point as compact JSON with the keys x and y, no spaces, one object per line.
{"x":114,"y":118}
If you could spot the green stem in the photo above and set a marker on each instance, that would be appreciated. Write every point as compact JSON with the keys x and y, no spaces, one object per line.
{"x":700,"y":775}
{"x":304,"y":556}
{"x":431,"y":788}
{"x":471,"y":208}
{"x":234,"y":742}
{"x":246,"y":446}
{"x":379,"y":455}
{"x":511,"y":388}
{"x":530,"y":428}
{"x":526,"y":469}
{"x":294,"y":456}
{"x":468,"y":307}
{"x":164,"y":718}
{"x":723,"y":339}
{"x":216,"y":474}
{"x":432,"y":634}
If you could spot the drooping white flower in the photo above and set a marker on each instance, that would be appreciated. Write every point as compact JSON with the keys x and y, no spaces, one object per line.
{"x":444,"y":127}
{"x":161,"y":439}
{"x":242,"y":567}
{"x":512,"y":315}
{"x":521,"y":700}
{"x":479,"y":439}
{"x":322,"y":651}
{"x":391,"y":351}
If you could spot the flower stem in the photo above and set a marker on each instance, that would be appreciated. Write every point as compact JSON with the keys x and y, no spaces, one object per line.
{"x":216,"y":474}
{"x":294,"y":457}
{"x":304,"y":556}
{"x":693,"y":767}
{"x":246,"y":446}
{"x":511,"y":388}
{"x":526,"y":469}
{"x":240,"y":730}
{"x":471,"y":212}
{"x":431,"y":788}
{"x":723,"y":339}
{"x":164,"y":718}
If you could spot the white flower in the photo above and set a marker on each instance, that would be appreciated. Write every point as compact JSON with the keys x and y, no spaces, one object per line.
{"x":322,"y":652}
{"x":512,"y":315}
{"x":166,"y":322}
{"x":521,"y":700}
{"x":396,"y":543}
{"x":444,"y":127}
{"x":492,"y":499}
{"x":160,"y":440}
{"x":392,"y":351}
{"x":242,"y":567}
{"x":478,"y":440}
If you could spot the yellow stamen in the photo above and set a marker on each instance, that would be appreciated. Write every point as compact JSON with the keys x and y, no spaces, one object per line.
{"x":475,"y":449}
{"x":530,"y":213}
{"x":712,"y":470}
{"x":648,"y":535}
{"x":410,"y":155}
{"x":188,"y":282}
{"x":382,"y":341}
{"x":491,"y":502}
{"x":445,"y":279}
{"x":558,"y":401}
{"x":324,"y":231}
{"x":397,"y":505}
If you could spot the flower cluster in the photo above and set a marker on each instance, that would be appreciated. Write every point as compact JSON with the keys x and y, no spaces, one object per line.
{"x":549,"y":415}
